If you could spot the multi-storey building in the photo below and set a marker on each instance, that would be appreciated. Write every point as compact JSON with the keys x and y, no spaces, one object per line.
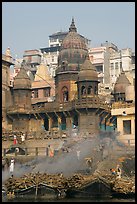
{"x":120,"y":60}
{"x":32,"y":58}
{"x":124,"y":109}
{"x":109,"y":62}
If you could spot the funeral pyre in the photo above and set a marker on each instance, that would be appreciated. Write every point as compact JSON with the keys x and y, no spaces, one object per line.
{"x":76,"y":181}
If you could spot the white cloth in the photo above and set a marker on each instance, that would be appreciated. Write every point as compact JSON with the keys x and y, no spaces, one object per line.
{"x":12,"y":166}
{"x":23,"y":138}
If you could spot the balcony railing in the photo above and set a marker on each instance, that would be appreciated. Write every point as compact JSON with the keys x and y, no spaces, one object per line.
{"x":94,"y":102}
{"x":118,"y":105}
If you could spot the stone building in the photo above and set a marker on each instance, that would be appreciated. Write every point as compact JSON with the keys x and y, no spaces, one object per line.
{"x":32,"y":58}
{"x":124,"y":109}
{"x":76,"y":94}
{"x":43,"y":86}
{"x":51,"y":53}
{"x":7,"y":61}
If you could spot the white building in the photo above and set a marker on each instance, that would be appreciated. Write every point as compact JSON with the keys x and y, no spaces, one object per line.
{"x":119,"y":60}
{"x":109,"y":62}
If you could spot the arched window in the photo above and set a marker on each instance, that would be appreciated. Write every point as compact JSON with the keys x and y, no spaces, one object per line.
{"x":83,"y":90}
{"x":90,"y":90}
{"x":95,"y":90}
{"x":65,"y":94}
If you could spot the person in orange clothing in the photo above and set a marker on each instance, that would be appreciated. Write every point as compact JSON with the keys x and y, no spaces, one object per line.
{"x":113,"y":171}
{"x":50,"y":151}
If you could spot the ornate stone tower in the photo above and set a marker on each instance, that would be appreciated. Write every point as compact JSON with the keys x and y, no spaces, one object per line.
{"x":87,"y":85}
{"x":22,"y":90}
{"x":71,"y":57}
{"x":21,"y":101}
{"x":120,"y":87}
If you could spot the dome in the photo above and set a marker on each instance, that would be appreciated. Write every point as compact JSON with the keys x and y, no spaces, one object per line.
{"x":121,"y":83}
{"x":87,"y":71}
{"x":73,"y":49}
{"x":22,"y":80}
{"x":73,"y":39}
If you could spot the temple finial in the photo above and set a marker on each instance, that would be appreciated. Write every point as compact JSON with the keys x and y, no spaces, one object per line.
{"x":8,"y":53}
{"x":72,"y":26}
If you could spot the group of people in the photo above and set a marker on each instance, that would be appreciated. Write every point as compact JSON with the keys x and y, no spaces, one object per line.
{"x":116,"y":171}
{"x":8,"y":165}
{"x":22,"y":139}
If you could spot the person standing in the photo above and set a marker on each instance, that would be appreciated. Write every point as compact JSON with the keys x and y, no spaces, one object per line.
{"x":50,"y":151}
{"x":23,"y":138}
{"x":15,"y":140}
{"x":12,"y":162}
{"x":118,"y":170}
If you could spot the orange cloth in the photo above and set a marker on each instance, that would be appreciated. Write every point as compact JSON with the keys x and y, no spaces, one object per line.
{"x":51,"y":153}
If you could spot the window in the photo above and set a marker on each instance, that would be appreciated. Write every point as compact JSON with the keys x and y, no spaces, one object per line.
{"x":52,"y":58}
{"x":36,"y":93}
{"x":121,"y":65}
{"x":126,"y":127}
{"x":83,"y":90}
{"x":65,"y":94}
{"x":47,"y":92}
{"x":95,"y":90}
{"x":116,"y":65}
{"x":90,"y":90}
{"x":112,"y":65}
{"x":63,"y":66}
{"x":99,"y":68}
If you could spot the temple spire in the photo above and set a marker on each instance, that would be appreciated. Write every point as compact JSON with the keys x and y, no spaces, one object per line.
{"x":72,"y":26}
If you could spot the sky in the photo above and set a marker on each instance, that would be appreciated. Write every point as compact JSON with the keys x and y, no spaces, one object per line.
{"x":27,"y":25}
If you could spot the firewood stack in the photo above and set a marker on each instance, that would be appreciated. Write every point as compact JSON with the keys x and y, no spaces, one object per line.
{"x":58,"y":181}
{"x":124,"y":186}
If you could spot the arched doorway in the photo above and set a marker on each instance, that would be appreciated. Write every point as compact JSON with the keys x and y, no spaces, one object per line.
{"x":54,"y":122}
{"x":46,"y":123}
{"x":63,"y":123}
{"x":75,"y":120}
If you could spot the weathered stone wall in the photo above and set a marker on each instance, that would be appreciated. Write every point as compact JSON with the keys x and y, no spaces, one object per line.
{"x":89,"y":122}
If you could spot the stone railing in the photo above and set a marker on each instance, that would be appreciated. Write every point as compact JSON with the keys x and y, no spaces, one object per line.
{"x":117,"y":105}
{"x":93,"y":102}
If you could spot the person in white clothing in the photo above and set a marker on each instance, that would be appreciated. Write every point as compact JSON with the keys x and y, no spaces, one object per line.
{"x":118,"y":170}
{"x":23,"y":138}
{"x":12,"y":162}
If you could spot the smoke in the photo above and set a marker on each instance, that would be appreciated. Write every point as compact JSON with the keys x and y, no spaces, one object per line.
{"x":100,"y":147}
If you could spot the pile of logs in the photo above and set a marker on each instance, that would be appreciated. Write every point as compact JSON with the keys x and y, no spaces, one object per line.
{"x":58,"y":181}
{"x":124,"y":186}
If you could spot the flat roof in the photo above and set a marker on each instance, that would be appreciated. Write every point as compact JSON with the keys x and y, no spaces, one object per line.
{"x":50,"y":49}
